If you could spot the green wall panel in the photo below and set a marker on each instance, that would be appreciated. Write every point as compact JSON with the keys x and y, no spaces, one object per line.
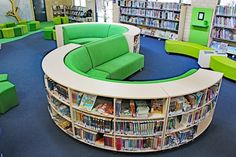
{"x":200,"y":25}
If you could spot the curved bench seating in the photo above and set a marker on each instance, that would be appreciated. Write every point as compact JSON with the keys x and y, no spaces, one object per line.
{"x":184,"y":48}
{"x":107,"y":59}
{"x":78,"y":34}
{"x":225,"y":65}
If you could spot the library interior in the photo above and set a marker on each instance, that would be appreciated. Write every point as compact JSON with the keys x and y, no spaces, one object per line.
{"x":117,"y":78}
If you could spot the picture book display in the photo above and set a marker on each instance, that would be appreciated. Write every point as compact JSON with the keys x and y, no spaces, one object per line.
{"x":87,"y":102}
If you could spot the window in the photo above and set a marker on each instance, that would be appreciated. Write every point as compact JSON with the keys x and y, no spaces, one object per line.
{"x":104,"y":10}
{"x":80,"y":3}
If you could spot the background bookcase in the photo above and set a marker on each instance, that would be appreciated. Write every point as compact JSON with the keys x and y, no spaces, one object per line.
{"x":156,"y":19}
{"x":74,"y":13}
{"x":224,"y":29}
{"x":131,"y":125}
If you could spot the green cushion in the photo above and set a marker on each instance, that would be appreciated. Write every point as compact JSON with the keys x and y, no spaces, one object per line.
{"x":225,"y":65}
{"x":115,"y":29}
{"x":8,"y":97}
{"x":64,"y":20}
{"x":185,"y":48}
{"x":48,"y":34}
{"x":3,"y":25}
{"x":10,"y":24}
{"x":79,"y":60}
{"x":72,"y":32}
{"x":82,"y":41}
{"x":97,"y":74}
{"x":107,"y":49}
{"x":22,"y":22}
{"x":56,"y":20}
{"x":3,"y":77}
{"x":123,"y":66}
{"x":54,"y":37}
{"x":8,"y":32}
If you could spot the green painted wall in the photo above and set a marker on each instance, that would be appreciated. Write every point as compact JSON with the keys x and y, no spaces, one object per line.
{"x":200,"y":28}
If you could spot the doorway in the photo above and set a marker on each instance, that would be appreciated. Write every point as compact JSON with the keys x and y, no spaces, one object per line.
{"x":104,"y":10}
{"x":39,"y":10}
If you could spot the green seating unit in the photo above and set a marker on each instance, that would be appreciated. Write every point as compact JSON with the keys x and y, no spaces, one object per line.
{"x":54,"y":35}
{"x":83,"y":33}
{"x":10,"y":24}
{"x":8,"y":97}
{"x":60,"y":20}
{"x":8,"y":32}
{"x":225,"y":65}
{"x":18,"y":30}
{"x":48,"y":33}
{"x":184,"y":48}
{"x":22,"y":22}
{"x":105,"y":59}
{"x":24,"y":28}
{"x":57,"y":20}
{"x":64,"y":20}
{"x":33,"y":25}
{"x":3,"y":25}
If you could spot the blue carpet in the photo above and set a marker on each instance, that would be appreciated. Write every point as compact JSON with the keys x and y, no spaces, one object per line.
{"x":27,"y":130}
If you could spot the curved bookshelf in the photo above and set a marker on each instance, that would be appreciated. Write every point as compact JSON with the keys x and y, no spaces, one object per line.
{"x":129,"y":117}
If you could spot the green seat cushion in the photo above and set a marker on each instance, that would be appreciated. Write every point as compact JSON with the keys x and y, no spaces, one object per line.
{"x":107,"y":49}
{"x":225,"y":65}
{"x":64,"y":20}
{"x":185,"y":48}
{"x":123,"y":66}
{"x":3,"y":77}
{"x":72,"y":32}
{"x":115,"y":29}
{"x":8,"y":97}
{"x":48,"y":33}
{"x":8,"y":32}
{"x":79,"y":60}
{"x":82,"y":41}
{"x":10,"y":24}
{"x":54,"y":37}
{"x":97,"y":74}
{"x":33,"y":25}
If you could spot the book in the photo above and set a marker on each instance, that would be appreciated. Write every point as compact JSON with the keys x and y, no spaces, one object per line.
{"x":104,"y":108}
{"x":142,"y":109}
{"x":76,"y":97}
{"x":87,"y":102}
{"x":157,"y":106}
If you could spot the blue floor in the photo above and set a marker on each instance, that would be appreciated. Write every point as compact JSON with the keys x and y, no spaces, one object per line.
{"x":28,"y":131}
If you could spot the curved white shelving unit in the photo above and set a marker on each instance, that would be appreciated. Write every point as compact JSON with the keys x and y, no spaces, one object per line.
{"x":199,"y":92}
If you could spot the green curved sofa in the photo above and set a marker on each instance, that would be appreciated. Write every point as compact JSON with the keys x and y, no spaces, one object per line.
{"x":107,"y":59}
{"x":86,"y":33}
{"x":225,"y":65}
{"x":184,"y":48}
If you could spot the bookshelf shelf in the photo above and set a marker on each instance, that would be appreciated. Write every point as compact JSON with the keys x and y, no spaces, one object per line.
{"x":156,"y":19}
{"x":63,"y":116}
{"x":145,"y":108}
{"x":223,"y":33}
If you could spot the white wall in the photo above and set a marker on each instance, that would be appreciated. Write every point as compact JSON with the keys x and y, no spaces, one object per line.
{"x":25,"y":10}
{"x":196,"y":3}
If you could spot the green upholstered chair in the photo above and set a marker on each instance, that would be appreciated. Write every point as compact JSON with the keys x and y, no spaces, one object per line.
{"x":64,"y":20}
{"x":3,"y":77}
{"x":57,"y":20}
{"x":8,"y":32}
{"x":225,"y":65}
{"x":48,"y":33}
{"x":10,"y":24}
{"x":8,"y":97}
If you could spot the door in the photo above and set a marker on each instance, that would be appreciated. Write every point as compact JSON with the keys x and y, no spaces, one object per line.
{"x":39,"y":10}
{"x":104,"y":10}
